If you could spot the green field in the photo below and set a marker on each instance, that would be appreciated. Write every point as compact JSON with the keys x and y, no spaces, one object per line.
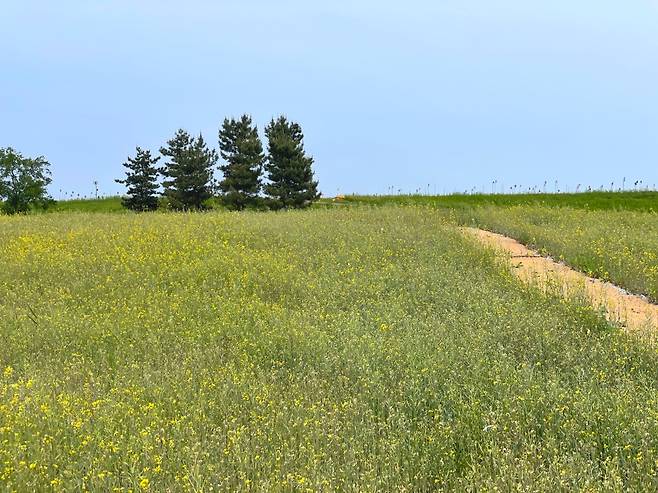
{"x":613,"y":245}
{"x":627,"y":201}
{"x":351,"y":348}
{"x":611,"y":236}
{"x":106,"y":204}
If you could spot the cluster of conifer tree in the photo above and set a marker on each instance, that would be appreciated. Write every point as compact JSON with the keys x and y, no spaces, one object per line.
{"x":282,"y":178}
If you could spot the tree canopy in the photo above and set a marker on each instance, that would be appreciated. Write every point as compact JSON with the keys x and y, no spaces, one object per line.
{"x":141,"y":181}
{"x":290,"y":174}
{"x":188,"y":172}
{"x":23,"y":182}
{"x":241,"y":148}
{"x":281,"y":179}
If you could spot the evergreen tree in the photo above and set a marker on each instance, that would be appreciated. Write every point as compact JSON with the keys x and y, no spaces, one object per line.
{"x":188,"y":173}
{"x":242,"y":150}
{"x":289,"y":169}
{"x":141,"y":181}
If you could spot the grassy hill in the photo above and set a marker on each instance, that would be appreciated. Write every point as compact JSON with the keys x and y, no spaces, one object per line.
{"x":632,"y":201}
{"x":636,"y":201}
{"x":105,"y":204}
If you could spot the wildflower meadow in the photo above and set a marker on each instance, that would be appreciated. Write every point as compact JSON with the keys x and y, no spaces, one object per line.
{"x":338,"y":349}
{"x":614,"y":245}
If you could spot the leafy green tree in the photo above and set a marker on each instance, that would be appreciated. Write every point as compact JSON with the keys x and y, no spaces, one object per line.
{"x":188,"y":172}
{"x":289,"y":169}
{"x":141,"y":181}
{"x":23,"y":182}
{"x":241,"y":148}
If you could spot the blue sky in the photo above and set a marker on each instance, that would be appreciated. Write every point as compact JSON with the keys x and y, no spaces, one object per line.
{"x":447,"y":93}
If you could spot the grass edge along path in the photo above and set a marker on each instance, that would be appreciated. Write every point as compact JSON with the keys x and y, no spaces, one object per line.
{"x":633,"y":312}
{"x":620,"y":247}
{"x":606,"y":235}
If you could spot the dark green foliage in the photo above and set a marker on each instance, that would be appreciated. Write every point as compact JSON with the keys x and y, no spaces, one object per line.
{"x":289,"y":169}
{"x":242,"y":150}
{"x":23,"y":182}
{"x":141,"y":181}
{"x":188,"y":173}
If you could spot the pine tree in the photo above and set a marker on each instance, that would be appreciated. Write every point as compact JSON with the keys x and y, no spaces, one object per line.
{"x":141,"y":181}
{"x":241,"y":148}
{"x":289,"y":169}
{"x":188,"y":173}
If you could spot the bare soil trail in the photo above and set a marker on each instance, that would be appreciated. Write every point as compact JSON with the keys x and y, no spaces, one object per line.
{"x":633,"y":312}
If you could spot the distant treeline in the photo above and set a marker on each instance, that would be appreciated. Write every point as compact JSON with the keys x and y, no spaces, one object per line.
{"x":281,"y":178}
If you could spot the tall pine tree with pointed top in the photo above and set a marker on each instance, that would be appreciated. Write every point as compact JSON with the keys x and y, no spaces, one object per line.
{"x":241,"y":148}
{"x":141,"y":181}
{"x":188,"y":171}
{"x":290,"y":173}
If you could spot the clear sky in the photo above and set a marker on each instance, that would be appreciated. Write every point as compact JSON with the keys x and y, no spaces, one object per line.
{"x":447,"y":93}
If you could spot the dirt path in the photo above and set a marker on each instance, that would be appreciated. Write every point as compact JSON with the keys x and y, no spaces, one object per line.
{"x":633,"y":312}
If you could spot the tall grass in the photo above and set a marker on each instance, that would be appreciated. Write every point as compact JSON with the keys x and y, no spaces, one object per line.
{"x":628,"y":201}
{"x":637,"y":201}
{"x":359,"y":349}
{"x":608,"y":235}
{"x":105,"y":204}
{"x":617,"y":246}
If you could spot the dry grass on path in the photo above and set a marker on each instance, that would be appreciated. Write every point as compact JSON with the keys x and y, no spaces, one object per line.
{"x":633,"y":312}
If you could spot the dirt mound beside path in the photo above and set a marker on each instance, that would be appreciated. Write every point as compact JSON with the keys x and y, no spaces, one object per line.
{"x":633,"y":312}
